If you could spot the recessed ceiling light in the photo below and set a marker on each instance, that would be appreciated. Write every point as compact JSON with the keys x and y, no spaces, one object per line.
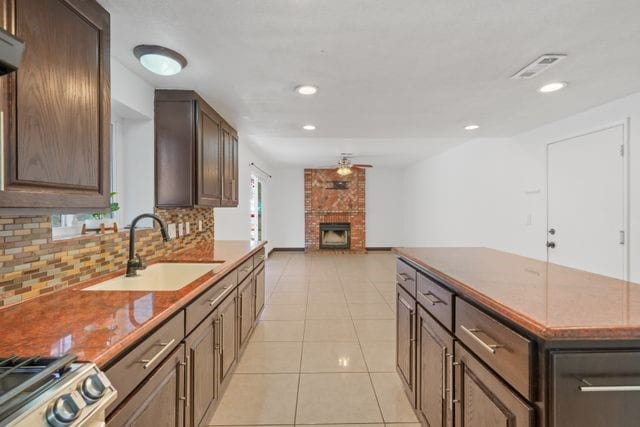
{"x":471,"y":127}
{"x":552,"y":87}
{"x":307,"y":89}
{"x":160,"y":60}
{"x":309,"y":127}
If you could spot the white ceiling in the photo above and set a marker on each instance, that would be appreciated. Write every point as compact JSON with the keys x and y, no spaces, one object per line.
{"x":397,"y":78}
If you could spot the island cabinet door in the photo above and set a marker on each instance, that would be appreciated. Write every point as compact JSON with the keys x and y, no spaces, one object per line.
{"x":595,"y":388}
{"x":227,"y":314}
{"x":434,"y":373}
{"x":246,"y":295}
{"x":483,"y":399}
{"x":161,"y":399}
{"x":260,"y":283}
{"x":405,"y":341}
{"x":202,"y":363}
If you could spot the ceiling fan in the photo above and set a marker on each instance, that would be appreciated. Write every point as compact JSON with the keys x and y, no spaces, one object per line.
{"x":345,"y":166}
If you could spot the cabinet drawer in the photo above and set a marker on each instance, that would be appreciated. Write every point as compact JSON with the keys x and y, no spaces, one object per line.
{"x":595,"y":388}
{"x":207,"y":302}
{"x":437,"y":300}
{"x":144,"y":357}
{"x":504,"y":350}
{"x":245,"y":269}
{"x":406,"y":277}
{"x":259,"y":257}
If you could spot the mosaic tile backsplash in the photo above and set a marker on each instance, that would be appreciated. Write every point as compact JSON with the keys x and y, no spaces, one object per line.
{"x":32,"y":263}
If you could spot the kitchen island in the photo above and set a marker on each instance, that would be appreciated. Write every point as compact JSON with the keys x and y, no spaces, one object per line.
{"x":491,"y":338}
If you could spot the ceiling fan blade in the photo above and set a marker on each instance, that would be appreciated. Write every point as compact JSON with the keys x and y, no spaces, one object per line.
{"x":356,"y":165}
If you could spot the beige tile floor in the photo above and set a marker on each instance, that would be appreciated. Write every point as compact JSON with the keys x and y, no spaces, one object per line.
{"x":323,"y":352}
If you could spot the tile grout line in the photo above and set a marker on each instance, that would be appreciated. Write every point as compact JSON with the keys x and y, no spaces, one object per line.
{"x":304,"y":330}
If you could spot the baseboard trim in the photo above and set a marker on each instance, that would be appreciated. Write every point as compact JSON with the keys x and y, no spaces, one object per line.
{"x":379,"y":248}
{"x":286,"y":250}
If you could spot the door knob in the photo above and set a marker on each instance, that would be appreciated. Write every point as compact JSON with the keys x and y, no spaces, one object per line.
{"x":552,"y":231}
{"x":551,"y":245}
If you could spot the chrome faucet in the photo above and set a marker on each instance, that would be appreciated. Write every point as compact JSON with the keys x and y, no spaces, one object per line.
{"x":135,"y":262}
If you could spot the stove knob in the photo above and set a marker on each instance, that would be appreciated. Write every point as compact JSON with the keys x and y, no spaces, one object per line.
{"x":92,"y":388}
{"x":65,"y":410}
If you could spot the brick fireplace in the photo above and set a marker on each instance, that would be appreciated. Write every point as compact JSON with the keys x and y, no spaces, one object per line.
{"x":334,"y":209}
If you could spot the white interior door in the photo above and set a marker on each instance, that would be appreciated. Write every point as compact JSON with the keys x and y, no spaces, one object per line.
{"x":586,"y":202}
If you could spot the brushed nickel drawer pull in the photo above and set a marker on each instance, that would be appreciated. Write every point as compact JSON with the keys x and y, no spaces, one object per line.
{"x":432,"y":298}
{"x":491,"y":348}
{"x":606,"y":388}
{"x":165,"y":346}
{"x":246,"y":269}
{"x":405,"y":277}
{"x":406,"y":304}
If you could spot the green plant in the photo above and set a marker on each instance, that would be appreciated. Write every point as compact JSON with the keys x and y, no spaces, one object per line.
{"x":113,"y":207}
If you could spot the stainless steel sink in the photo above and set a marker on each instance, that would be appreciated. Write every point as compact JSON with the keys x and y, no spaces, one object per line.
{"x":163,"y":276}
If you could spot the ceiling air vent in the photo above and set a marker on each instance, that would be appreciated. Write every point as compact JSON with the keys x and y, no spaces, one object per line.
{"x":538,"y":66}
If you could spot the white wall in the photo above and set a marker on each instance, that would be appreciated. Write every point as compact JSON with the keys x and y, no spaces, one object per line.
{"x":481,"y":193}
{"x":132,"y":114}
{"x":234,"y":223}
{"x":383,"y":205}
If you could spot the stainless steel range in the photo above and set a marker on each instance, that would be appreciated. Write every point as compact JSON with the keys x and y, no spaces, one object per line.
{"x":58,"y":392}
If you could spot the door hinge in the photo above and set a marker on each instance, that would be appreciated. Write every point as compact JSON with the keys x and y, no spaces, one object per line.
{"x":622,"y":237}
{"x":622,"y":150}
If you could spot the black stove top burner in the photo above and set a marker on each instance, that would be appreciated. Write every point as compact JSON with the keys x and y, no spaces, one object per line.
{"x":23,"y":379}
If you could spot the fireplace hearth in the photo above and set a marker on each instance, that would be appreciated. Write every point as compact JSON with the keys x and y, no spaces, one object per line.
{"x":335,"y":235}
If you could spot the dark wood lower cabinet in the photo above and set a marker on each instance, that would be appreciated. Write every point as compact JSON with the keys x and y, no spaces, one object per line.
{"x":202,"y":362}
{"x":160,"y":400}
{"x":227,"y":318}
{"x":482,"y":399}
{"x":246,"y":303}
{"x":434,"y":374}
{"x":260,"y":283}
{"x":596,"y":388}
{"x":405,"y":340}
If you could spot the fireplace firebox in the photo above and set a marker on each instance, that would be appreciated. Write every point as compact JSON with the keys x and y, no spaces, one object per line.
{"x":335,"y":235}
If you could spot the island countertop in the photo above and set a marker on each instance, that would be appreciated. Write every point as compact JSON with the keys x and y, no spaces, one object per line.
{"x":98,"y":326}
{"x":548,"y":300}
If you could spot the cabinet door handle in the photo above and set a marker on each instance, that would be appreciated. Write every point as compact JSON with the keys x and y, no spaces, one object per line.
{"x":433,"y":299}
{"x":165,"y":346}
{"x":186,"y":396}
{"x":216,"y":335}
{"x":405,"y":303}
{"x":444,"y":373}
{"x":491,"y":348}
{"x":451,"y":367}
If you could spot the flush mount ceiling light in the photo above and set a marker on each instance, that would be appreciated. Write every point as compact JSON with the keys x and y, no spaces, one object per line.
{"x":160,"y":60}
{"x":471,"y":127}
{"x":306,"y":89}
{"x":344,"y":170}
{"x":309,"y":127}
{"x":552,"y":87}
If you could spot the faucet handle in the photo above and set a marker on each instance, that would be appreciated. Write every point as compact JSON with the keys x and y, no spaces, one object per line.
{"x":141,"y":264}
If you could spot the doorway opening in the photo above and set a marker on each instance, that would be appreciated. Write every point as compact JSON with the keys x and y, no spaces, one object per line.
{"x":256,"y":207}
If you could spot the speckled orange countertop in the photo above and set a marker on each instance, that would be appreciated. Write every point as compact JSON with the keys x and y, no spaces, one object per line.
{"x":548,"y":300}
{"x":97,"y":326}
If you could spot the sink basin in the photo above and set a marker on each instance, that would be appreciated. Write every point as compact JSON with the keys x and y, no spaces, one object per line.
{"x":164,"y":276}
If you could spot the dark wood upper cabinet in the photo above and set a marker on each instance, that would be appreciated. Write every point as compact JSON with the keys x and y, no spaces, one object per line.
{"x":196,"y":153}
{"x":55,"y":110}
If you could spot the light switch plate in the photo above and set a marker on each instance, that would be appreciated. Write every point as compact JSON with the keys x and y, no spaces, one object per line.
{"x":172,"y":231}
{"x":187,"y":228}
{"x":180,"y":229}
{"x":200,"y":225}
